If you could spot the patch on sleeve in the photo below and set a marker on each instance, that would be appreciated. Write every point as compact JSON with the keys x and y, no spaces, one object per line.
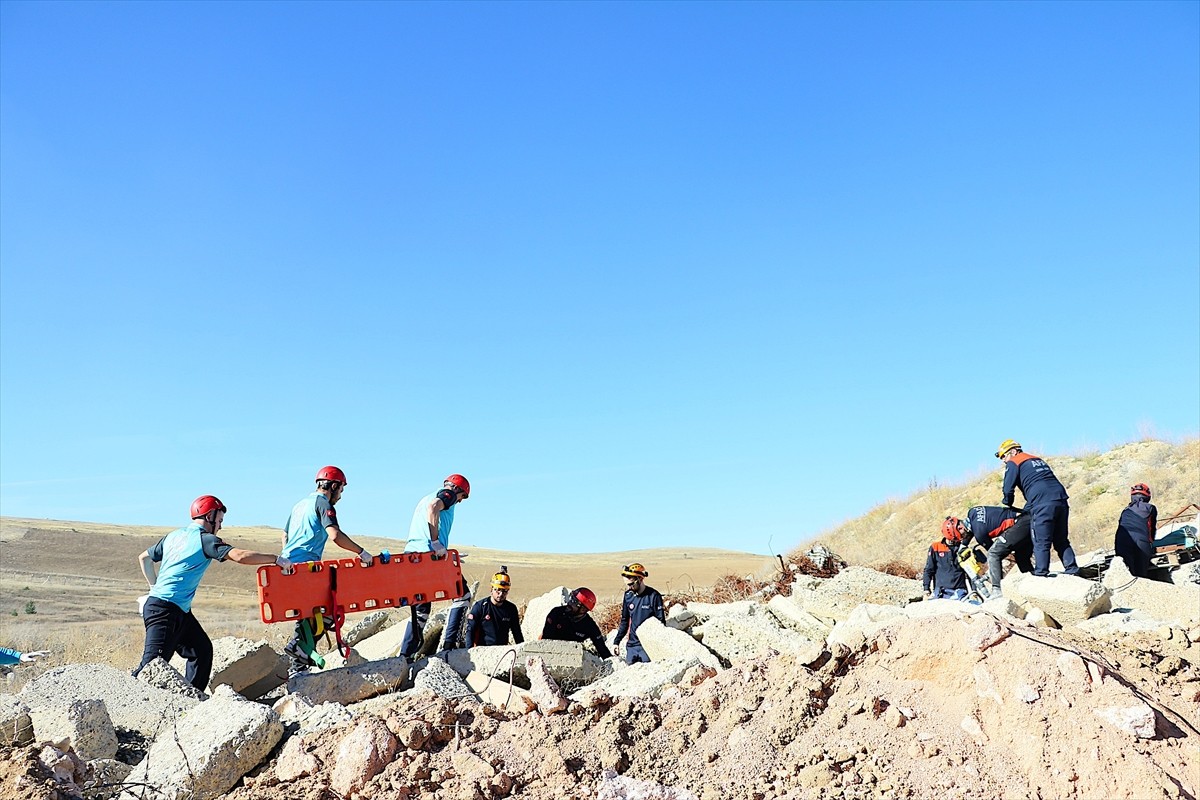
{"x":447,"y":497}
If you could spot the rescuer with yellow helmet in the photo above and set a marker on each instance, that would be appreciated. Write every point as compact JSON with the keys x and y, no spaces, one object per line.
{"x":639,"y":604}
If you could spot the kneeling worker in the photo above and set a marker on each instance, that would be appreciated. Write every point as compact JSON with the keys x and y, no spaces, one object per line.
{"x":493,"y":618}
{"x":573,"y":623}
{"x":941,"y":565}
{"x":1001,"y":530}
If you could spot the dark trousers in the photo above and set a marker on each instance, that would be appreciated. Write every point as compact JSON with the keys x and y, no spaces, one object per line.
{"x":635,"y":654}
{"x":1050,"y":527}
{"x":171,"y":630}
{"x":1015,"y":540}
{"x":416,"y":629}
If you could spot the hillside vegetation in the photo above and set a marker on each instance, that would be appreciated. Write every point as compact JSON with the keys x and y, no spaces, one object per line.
{"x":1098,"y":483}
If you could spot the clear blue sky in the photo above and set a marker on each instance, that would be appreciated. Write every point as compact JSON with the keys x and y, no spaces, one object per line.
{"x":648,"y":274}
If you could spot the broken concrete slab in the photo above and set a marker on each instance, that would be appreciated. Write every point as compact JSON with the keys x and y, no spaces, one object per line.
{"x":351,"y":684}
{"x":680,"y":617}
{"x":791,"y":614}
{"x":662,"y":643}
{"x":1177,"y":603}
{"x":82,"y":723}
{"x":836,"y":597}
{"x":387,"y":643}
{"x":737,"y":637}
{"x":161,"y":675}
{"x":862,"y":624}
{"x":1066,"y":598}
{"x":204,"y":755}
{"x":706,"y":611}
{"x":500,"y":693}
{"x":16,"y":726}
{"x":542,"y":688}
{"x":636,"y":680}
{"x":367,"y":626}
{"x":440,"y":678}
{"x":240,"y":663}
{"x":131,"y":704}
{"x":535,"y":612}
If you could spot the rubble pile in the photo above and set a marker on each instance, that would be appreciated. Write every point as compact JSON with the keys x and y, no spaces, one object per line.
{"x":849,"y":687}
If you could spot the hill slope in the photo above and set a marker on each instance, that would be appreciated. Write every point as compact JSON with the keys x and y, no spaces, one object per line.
{"x":1098,"y":484}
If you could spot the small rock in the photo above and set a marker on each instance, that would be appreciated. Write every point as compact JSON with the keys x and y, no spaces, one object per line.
{"x":893,"y":717}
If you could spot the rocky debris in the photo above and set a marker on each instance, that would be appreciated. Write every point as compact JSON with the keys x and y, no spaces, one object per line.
{"x":363,"y":754}
{"x":791,"y":614}
{"x":367,"y":626}
{"x":16,"y":727}
{"x":351,"y":684}
{"x":739,"y":637}
{"x":388,"y":642}
{"x":542,"y":688}
{"x":1179,"y":603}
{"x":569,"y":663}
{"x":204,"y":754}
{"x":636,"y":680}
{"x":835,"y":598}
{"x":706,"y":611}
{"x":83,"y":725}
{"x":107,"y":777}
{"x":680,"y":617}
{"x":299,"y":715}
{"x":68,"y":769}
{"x":500,"y":693}
{"x":661,"y":642}
{"x":440,"y":678}
{"x":131,"y":703}
{"x":161,"y":675}
{"x":537,"y":608}
{"x":241,"y":663}
{"x":1066,"y":599}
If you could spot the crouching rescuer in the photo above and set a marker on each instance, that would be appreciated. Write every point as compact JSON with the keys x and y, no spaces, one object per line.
{"x":573,"y":622}
{"x":941,"y":565}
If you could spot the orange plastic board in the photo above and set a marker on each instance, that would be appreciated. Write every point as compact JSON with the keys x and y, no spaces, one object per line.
{"x":409,"y":578}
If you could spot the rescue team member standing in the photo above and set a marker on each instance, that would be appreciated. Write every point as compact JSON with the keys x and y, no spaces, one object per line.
{"x":429,"y":532}
{"x":941,"y":565}
{"x":311,"y":524}
{"x":1135,"y":531}
{"x":493,"y":618}
{"x":1001,"y":531}
{"x":1045,"y":502}
{"x":185,"y":555}
{"x":639,"y":604}
{"x":572,"y":622}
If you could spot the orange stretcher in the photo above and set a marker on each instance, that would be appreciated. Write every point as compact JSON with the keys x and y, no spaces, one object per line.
{"x":344,"y":586}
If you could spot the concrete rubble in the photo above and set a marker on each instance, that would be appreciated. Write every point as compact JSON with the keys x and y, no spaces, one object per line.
{"x":82,"y":724}
{"x":351,"y":684}
{"x":1066,"y":599}
{"x":1178,"y":603}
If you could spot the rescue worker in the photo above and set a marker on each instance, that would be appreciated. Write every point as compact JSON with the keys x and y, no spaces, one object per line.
{"x":185,"y":554}
{"x":312,"y":523}
{"x":572,"y":622}
{"x":1136,"y":530}
{"x":639,"y":604}
{"x":493,"y":618}
{"x":941,"y":565}
{"x":1045,"y":502}
{"x":1001,"y":531}
{"x":429,"y":532}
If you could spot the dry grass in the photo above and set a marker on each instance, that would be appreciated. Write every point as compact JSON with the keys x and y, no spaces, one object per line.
{"x":1098,"y":483}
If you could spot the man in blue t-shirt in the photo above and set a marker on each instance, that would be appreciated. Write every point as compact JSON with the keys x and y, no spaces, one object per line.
{"x":312,"y":523}
{"x":184,"y":556}
{"x":429,"y":532}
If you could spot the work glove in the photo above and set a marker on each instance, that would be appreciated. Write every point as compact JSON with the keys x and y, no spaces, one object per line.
{"x":288,"y":566}
{"x":365,"y":557}
{"x":31,"y":656}
{"x":439,"y":550}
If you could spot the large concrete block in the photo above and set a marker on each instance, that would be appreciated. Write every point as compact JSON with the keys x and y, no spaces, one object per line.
{"x":836,"y":597}
{"x":351,"y":684}
{"x":500,"y":693}
{"x":440,"y":678}
{"x":1065,"y":598}
{"x":240,"y":663}
{"x":663,"y":644}
{"x":385,"y":644}
{"x":204,"y":755}
{"x":637,"y":680}
{"x":131,"y":703}
{"x":366,"y":626}
{"x":569,"y":663}
{"x":84,"y":723}
{"x":498,"y":660}
{"x":791,"y":614}
{"x":272,"y":680}
{"x":542,"y":688}
{"x":538,"y":608}
{"x":864,"y":622}
{"x":737,"y":637}
{"x":1179,"y":603}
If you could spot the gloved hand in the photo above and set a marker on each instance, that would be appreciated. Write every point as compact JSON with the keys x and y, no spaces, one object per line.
{"x":288,"y":566}
{"x":439,"y":550}
{"x":33,"y":655}
{"x":365,"y":557}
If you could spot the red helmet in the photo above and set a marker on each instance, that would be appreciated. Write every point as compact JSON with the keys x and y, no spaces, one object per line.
{"x":585,"y":597}
{"x":1140,"y":488}
{"x":331,"y":474}
{"x":202,"y":505}
{"x":461,"y":483}
{"x":950,"y":530}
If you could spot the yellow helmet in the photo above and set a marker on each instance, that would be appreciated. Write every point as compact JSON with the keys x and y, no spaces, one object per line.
{"x":634,"y":570}
{"x":1006,"y":445}
{"x":500,"y":581}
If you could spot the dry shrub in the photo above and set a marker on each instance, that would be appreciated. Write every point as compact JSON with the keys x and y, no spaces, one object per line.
{"x":897,"y":568}
{"x":607,"y":615}
{"x":807,"y":566}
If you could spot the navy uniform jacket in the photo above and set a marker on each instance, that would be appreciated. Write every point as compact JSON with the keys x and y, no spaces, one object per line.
{"x":941,"y":567}
{"x":1135,"y":534}
{"x":490,"y":624}
{"x":636,"y":609}
{"x":561,"y":624}
{"x":1034,"y":478}
{"x":988,"y":522}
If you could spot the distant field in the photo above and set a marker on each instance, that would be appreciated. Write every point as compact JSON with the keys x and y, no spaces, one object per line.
{"x":82,"y":580}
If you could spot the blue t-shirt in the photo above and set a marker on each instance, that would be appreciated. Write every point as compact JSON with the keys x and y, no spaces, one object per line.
{"x":418,"y":529}
{"x":185,"y":555}
{"x":9,"y":656}
{"x":306,"y":535}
